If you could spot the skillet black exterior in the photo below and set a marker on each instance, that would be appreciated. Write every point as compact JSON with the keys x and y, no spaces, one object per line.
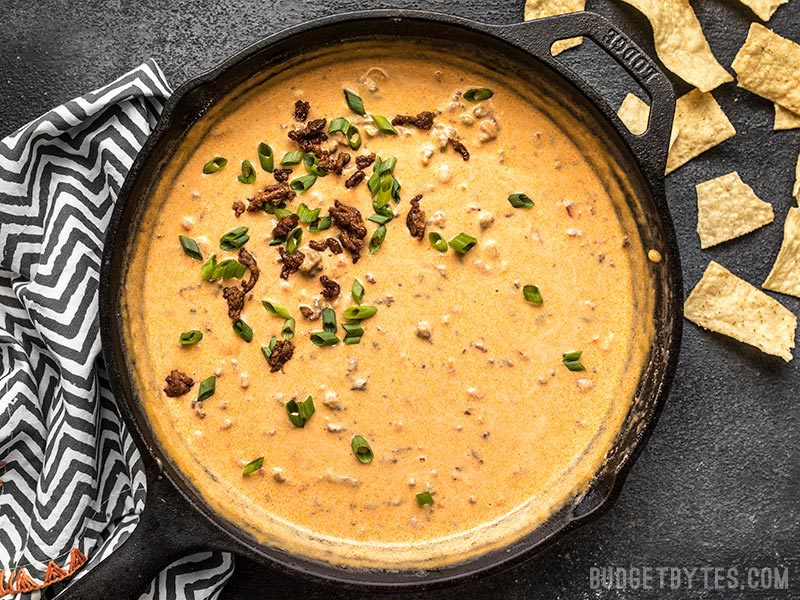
{"x":175,"y":521}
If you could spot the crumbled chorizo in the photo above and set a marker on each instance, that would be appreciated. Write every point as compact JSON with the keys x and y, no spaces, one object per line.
{"x":238,"y":208}
{"x":275,"y":195}
{"x":301,"y":109}
{"x":309,"y":313}
{"x":415,"y":221}
{"x":423,"y":120}
{"x":280,"y":355}
{"x":311,"y":136}
{"x":235,"y":299}
{"x":318,"y":245}
{"x":281,"y":175}
{"x":459,"y":147}
{"x":354,"y":179}
{"x":351,"y":226}
{"x":334,"y":246}
{"x":330,"y":289}
{"x":285,"y":226}
{"x":247,"y":259}
{"x":291,"y":262}
{"x":178,"y":383}
{"x":334,"y":163}
{"x":365,"y":160}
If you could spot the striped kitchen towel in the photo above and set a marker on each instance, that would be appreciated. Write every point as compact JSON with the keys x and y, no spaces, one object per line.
{"x":72,"y":481}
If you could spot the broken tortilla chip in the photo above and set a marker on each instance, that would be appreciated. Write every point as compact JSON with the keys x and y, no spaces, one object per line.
{"x":785,"y":119}
{"x":726,"y":208}
{"x":537,"y":9}
{"x":635,"y":113}
{"x":680,"y":43}
{"x":796,"y":186}
{"x":764,"y":9}
{"x":699,"y":125}
{"x":785,"y":274}
{"x":769,"y":65}
{"x":724,"y":303}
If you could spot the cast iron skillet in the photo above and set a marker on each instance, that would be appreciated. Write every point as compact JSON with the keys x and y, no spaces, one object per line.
{"x":175,"y":520}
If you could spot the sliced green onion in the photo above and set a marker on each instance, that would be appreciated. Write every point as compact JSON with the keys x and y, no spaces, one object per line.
{"x":307,"y":215}
{"x":215,"y":164}
{"x":424,"y":498}
{"x":301,"y":184}
{"x":234,"y":239}
{"x":207,"y":388}
{"x":253,"y":466}
{"x":359,"y":313}
{"x":463,"y":243}
{"x":353,"y":333}
{"x":292,"y":158}
{"x":190,"y":247}
{"x":520,"y":201}
{"x":191,"y":337}
{"x":324,"y":338}
{"x":226,"y":269}
{"x":271,"y":210}
{"x":532,"y":294}
{"x":243,"y":330}
{"x":300,"y":412}
{"x":275,"y":309}
{"x":361,"y":449}
{"x":288,"y":329}
{"x":437,"y":241}
{"x":293,"y":240}
{"x":329,"y":320}
{"x":376,"y":241}
{"x":282,"y":212}
{"x":381,"y":219}
{"x":478,"y":94}
{"x":248,"y":173}
{"x":354,"y":102}
{"x":349,"y":130}
{"x":267,"y":350}
{"x":266,"y":157}
{"x":320,"y":224}
{"x":572,"y":360}
{"x":357,"y":291}
{"x":311,"y":163}
{"x":383,"y":124}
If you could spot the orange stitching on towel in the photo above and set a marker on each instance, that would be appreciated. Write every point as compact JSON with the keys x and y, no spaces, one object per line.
{"x":76,"y":560}
{"x":25,"y":583}
{"x":54,"y":573}
{"x":3,"y":588}
{"x":20,"y":582}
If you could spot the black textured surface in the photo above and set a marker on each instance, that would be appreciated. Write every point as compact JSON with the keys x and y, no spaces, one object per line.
{"x":719,"y":482}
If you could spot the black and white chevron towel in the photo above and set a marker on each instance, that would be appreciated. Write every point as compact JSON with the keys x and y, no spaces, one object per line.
{"x":72,"y":482}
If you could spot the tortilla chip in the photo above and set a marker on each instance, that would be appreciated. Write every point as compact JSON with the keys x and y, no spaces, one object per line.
{"x":726,"y":208}
{"x":796,"y":186}
{"x":785,"y":119}
{"x":680,"y":43}
{"x":728,"y":305}
{"x":785,"y":274}
{"x":764,"y":9}
{"x":635,"y":113}
{"x":769,"y":65}
{"x":537,"y":9}
{"x":699,"y":125}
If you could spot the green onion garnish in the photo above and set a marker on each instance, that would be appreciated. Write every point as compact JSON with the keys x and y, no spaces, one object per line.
{"x":292,"y":158}
{"x":311,"y":163}
{"x":357,"y":291}
{"x":349,"y":130}
{"x":248,"y":173}
{"x":359,"y":313}
{"x":424,"y":498}
{"x":191,"y":337}
{"x":293,"y":240}
{"x":190,"y":247}
{"x":288,"y":329}
{"x":266,"y":157}
{"x":267,"y":350}
{"x":361,"y":449}
{"x":207,"y":388}
{"x":215,"y":164}
{"x":329,"y":320}
{"x":354,"y":102}
{"x":307,"y":215}
{"x":381,"y":219}
{"x":572,"y":360}
{"x":226,"y":269}
{"x":376,"y":241}
{"x":320,"y":224}
{"x":463,"y":243}
{"x":478,"y":94}
{"x":353,"y":333}
{"x":324,"y":338}
{"x":275,"y":309}
{"x":520,"y":201}
{"x":282,"y":212}
{"x":301,"y":184}
{"x":532,"y":294}
{"x":300,"y":412}
{"x":437,"y":241}
{"x":243,"y":330}
{"x":234,"y":239}
{"x":383,"y":124}
{"x":253,"y":466}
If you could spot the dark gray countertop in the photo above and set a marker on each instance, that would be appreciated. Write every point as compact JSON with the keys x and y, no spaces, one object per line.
{"x":719,"y":482}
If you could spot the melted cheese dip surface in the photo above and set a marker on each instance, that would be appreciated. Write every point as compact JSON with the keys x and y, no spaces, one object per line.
{"x":458,"y":383}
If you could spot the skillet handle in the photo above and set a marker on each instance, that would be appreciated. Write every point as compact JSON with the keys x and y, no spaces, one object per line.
{"x":538,"y":36}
